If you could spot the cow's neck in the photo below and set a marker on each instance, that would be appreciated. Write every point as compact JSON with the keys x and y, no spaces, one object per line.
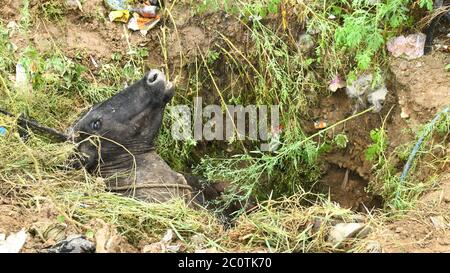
{"x":123,"y":163}
{"x":145,"y":176}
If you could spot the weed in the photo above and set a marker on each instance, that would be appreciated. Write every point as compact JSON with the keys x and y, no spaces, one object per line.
{"x":25,"y":15}
{"x":341,"y":141}
{"x":402,"y":195}
{"x":53,"y":10}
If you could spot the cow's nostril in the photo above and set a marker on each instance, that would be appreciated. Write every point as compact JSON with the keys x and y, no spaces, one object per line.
{"x":156,"y":78}
{"x":153,"y":78}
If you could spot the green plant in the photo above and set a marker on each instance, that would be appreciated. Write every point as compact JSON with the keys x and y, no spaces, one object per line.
{"x":428,"y":4}
{"x":402,"y":195}
{"x":53,"y":10}
{"x":212,"y":56}
{"x":25,"y":16}
{"x":341,"y":141}
{"x":375,"y":151}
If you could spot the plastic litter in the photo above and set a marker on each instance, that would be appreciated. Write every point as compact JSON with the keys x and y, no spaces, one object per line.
{"x":144,"y":18}
{"x":360,"y":86}
{"x":119,"y":16}
{"x":117,"y":4}
{"x":377,"y":97}
{"x":3,"y":131}
{"x":411,"y":46}
{"x":138,"y":23}
{"x":146,"y":11}
{"x":164,"y":246}
{"x":12,"y":25}
{"x":362,"y":90}
{"x":343,"y":231}
{"x":73,"y":244}
{"x":13,"y":243}
{"x":21,"y":75}
{"x":337,"y":83}
{"x":320,"y":124}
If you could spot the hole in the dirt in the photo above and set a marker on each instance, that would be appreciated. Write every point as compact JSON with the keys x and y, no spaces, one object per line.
{"x":348,"y":188}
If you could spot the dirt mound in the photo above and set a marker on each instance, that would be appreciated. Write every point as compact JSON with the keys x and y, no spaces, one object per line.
{"x":418,"y":89}
{"x":426,"y":229}
{"x":423,"y":86}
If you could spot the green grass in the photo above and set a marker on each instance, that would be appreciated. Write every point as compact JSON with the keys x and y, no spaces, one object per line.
{"x":431,"y":159}
{"x":54,"y":10}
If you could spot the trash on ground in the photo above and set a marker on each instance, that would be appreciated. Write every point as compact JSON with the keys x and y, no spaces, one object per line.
{"x":73,"y":244}
{"x":411,"y":46}
{"x":138,"y":23}
{"x":337,"y":83}
{"x":146,"y":11}
{"x":360,"y":86}
{"x":117,"y":4}
{"x":377,"y":97}
{"x":361,"y":89}
{"x":74,"y":4}
{"x":119,"y":16}
{"x":21,"y":75}
{"x":3,"y":131}
{"x":343,"y":231}
{"x":12,"y":25}
{"x":94,"y":62}
{"x":320,"y":124}
{"x":13,"y":243}
{"x":441,"y":47}
{"x":163,"y":246}
{"x":438,"y":222}
{"x":144,"y":17}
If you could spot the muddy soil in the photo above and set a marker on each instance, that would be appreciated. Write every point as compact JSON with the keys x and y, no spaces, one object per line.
{"x":418,"y":89}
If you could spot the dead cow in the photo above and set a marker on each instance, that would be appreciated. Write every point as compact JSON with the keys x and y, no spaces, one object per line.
{"x":116,"y":141}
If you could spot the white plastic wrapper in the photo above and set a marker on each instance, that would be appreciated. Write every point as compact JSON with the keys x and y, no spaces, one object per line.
{"x":411,"y":47}
{"x":13,"y":243}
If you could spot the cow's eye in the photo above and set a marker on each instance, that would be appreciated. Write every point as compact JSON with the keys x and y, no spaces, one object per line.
{"x":96,"y":124}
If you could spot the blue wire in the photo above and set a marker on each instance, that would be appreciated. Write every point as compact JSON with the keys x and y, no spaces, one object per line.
{"x":418,"y":144}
